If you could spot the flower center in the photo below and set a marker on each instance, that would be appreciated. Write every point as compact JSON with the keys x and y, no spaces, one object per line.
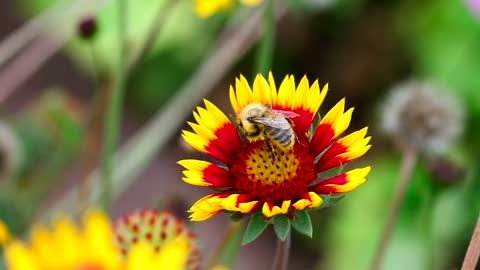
{"x":273,"y":173}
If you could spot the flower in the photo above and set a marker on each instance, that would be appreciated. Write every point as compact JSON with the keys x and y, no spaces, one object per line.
{"x":474,"y":6}
{"x":206,"y":8}
{"x":158,"y":229}
{"x":5,"y":236}
{"x":66,"y":247}
{"x":419,"y":115}
{"x":258,"y":174}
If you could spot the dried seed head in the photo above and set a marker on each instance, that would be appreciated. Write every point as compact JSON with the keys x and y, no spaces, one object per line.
{"x":421,"y":116}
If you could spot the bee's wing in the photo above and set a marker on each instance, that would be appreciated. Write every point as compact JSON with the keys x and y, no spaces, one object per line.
{"x":274,"y":122}
{"x":286,"y":114}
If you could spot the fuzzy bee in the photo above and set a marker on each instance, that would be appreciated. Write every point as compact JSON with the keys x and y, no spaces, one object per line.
{"x":261,"y":122}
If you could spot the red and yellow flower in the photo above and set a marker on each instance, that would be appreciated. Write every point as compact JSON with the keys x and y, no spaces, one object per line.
{"x":157,"y":229}
{"x":206,"y":8}
{"x":5,"y":236}
{"x":66,"y":247}
{"x":252,"y":175}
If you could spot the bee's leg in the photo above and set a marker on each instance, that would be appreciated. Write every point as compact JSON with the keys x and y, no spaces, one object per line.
{"x":270,"y":146}
{"x":241,"y":132}
{"x":298,"y":140}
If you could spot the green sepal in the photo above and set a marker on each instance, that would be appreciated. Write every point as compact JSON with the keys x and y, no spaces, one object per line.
{"x":329,"y":200}
{"x":302,"y":223}
{"x":314,"y":125}
{"x":237,"y":216}
{"x":281,"y":226}
{"x":255,"y":228}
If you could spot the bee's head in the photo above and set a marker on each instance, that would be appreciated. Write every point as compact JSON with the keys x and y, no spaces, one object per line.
{"x":253,"y":110}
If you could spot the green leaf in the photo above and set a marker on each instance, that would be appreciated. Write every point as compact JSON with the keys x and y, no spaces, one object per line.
{"x":255,"y":228}
{"x":281,"y":225}
{"x":302,"y":223}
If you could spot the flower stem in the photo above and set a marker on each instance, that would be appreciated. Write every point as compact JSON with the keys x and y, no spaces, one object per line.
{"x":163,"y":12}
{"x":408,"y":164}
{"x":228,"y":248}
{"x":473,"y":251}
{"x":281,"y":253}
{"x":113,"y":116}
{"x":265,"y":51}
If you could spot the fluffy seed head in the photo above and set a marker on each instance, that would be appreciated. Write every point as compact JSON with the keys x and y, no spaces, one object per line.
{"x":419,"y":114}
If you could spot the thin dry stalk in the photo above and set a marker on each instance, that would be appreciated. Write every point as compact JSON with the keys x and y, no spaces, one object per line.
{"x":408,"y":164}
{"x":473,"y":251}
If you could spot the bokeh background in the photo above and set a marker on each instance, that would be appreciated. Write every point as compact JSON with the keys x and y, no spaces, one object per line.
{"x":52,"y":95}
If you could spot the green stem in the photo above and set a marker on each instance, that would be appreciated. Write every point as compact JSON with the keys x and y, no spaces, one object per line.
{"x":428,"y":215}
{"x":281,"y":253}
{"x":227,"y":252}
{"x":113,"y":116}
{"x":164,"y":12}
{"x":265,"y":51}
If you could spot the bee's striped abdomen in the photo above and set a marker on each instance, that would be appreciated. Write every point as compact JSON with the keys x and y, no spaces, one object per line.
{"x":283,"y":137}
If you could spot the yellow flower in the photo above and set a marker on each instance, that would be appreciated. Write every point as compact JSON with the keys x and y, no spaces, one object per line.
{"x":66,"y":247}
{"x":4,"y":234}
{"x":157,"y":229}
{"x":279,"y":164}
{"x":206,"y":8}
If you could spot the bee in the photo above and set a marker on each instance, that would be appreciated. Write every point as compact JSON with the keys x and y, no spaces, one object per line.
{"x":261,"y":122}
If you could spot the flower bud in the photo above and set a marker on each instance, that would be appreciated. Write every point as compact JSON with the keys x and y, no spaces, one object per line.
{"x":446,"y":171}
{"x":87,"y":28}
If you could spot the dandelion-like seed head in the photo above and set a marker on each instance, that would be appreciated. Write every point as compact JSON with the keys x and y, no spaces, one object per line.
{"x":157,"y":229}
{"x":273,"y":158}
{"x":422,"y":116}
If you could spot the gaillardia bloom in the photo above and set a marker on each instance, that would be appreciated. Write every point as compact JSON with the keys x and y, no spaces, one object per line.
{"x":264,"y":163}
{"x":158,"y":229}
{"x":5,"y":236}
{"x":68,"y":248}
{"x":207,"y":8}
